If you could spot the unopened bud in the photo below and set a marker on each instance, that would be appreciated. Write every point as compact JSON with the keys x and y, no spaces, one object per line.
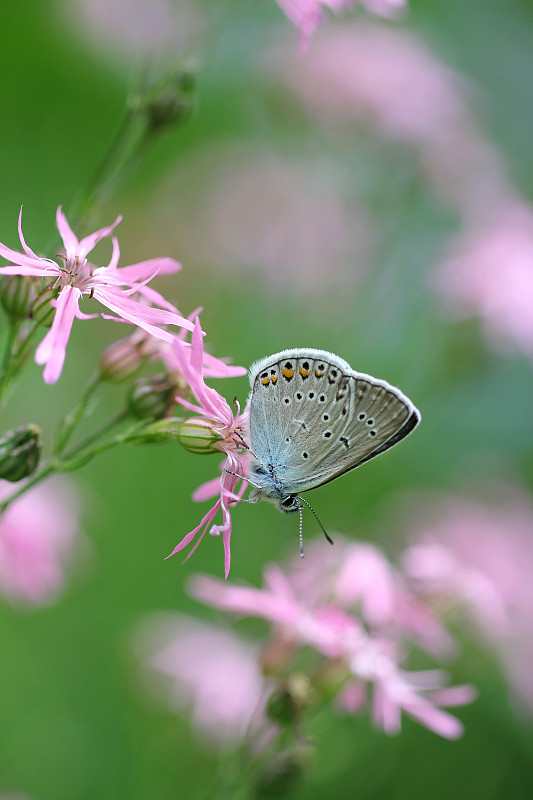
{"x":17,"y":293}
{"x":198,"y":435}
{"x":20,"y":451}
{"x":170,"y":101}
{"x":42,"y":310}
{"x":159,"y":432}
{"x":152,"y":396}
{"x":285,"y":704}
{"x":124,"y":357}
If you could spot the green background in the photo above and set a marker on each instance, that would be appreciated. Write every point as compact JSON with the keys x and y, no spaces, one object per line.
{"x":73,"y":719}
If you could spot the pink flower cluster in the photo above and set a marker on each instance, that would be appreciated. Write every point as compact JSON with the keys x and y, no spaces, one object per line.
{"x":389,"y":80}
{"x":206,"y":668}
{"x":306,"y":15}
{"x":113,"y":287}
{"x":476,"y":559}
{"x":39,"y":539}
{"x":355,"y":612}
{"x":229,"y":427}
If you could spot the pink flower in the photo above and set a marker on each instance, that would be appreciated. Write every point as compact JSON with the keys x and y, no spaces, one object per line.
{"x":307,"y":14}
{"x":206,"y":668}
{"x":136,"y":28}
{"x":478,"y":558}
{"x":282,"y":218}
{"x":39,"y":536}
{"x":489,"y":273}
{"x":356,"y":575}
{"x":230,"y":428}
{"x":111,"y":286}
{"x":368,"y":658}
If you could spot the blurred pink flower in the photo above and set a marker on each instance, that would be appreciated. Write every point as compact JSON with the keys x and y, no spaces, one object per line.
{"x":136,"y":28}
{"x":385,"y":77}
{"x":206,"y":668}
{"x":369,"y":658}
{"x":283,"y":218}
{"x":388,"y":79}
{"x":358,"y":576}
{"x":479,"y":558}
{"x":230,"y":427}
{"x":39,"y":538}
{"x":111,"y":286}
{"x":307,"y":14}
{"x":489,"y":273}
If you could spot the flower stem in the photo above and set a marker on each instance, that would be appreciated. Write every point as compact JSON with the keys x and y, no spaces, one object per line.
{"x":9,"y":349}
{"x":66,"y":428}
{"x":37,"y":478}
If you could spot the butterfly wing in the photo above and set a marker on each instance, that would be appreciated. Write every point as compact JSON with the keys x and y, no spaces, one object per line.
{"x":320,"y":419}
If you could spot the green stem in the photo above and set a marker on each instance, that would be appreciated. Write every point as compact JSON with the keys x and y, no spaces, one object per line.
{"x":88,"y":441}
{"x":66,"y":428}
{"x":9,"y":349}
{"x":37,"y":478}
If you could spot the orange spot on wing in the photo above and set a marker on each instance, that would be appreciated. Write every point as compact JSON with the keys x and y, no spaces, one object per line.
{"x":318,"y":374}
{"x":265,"y":381}
{"x":287,"y":373}
{"x":274,"y":379}
{"x":304,"y":372}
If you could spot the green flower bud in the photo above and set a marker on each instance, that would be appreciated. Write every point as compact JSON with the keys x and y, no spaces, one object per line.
{"x":169,"y":102}
{"x":124,"y":357}
{"x":20,"y":451}
{"x":17,"y":294}
{"x":42,"y":311}
{"x":152,"y":396}
{"x":198,"y":435}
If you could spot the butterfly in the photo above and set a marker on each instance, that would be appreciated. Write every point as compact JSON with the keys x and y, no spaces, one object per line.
{"x":312,"y":418}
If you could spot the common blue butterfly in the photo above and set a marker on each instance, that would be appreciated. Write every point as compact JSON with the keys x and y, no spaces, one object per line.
{"x":313,"y":418}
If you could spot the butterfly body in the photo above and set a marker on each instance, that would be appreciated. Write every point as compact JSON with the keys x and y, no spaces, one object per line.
{"x":313,"y":418}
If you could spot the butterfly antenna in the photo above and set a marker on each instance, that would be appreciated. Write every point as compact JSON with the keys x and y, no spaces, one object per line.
{"x":324,"y":531}
{"x":302,"y":554}
{"x":243,"y":478}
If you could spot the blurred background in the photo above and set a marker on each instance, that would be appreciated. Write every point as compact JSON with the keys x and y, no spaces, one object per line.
{"x":373,"y":198}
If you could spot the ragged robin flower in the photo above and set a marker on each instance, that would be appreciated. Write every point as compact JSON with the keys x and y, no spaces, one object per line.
{"x":74,"y":276}
{"x":227,"y":430}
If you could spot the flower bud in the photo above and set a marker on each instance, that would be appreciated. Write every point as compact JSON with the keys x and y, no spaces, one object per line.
{"x":159,"y":432}
{"x":152,"y":396}
{"x":124,"y":357}
{"x":17,"y":294}
{"x":170,"y":101}
{"x":285,"y":704}
{"x":20,"y":451}
{"x":42,"y":310}
{"x":198,"y":435}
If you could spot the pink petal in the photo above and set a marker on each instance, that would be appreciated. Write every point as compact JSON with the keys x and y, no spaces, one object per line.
{"x":70,"y":240}
{"x":87,"y":244}
{"x":151,"y":267}
{"x":115,"y":254}
{"x":52,"y":349}
{"x":435,"y":720}
{"x":143,"y":316}
{"x":190,"y":536}
{"x":27,"y":250}
{"x":207,"y":490}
